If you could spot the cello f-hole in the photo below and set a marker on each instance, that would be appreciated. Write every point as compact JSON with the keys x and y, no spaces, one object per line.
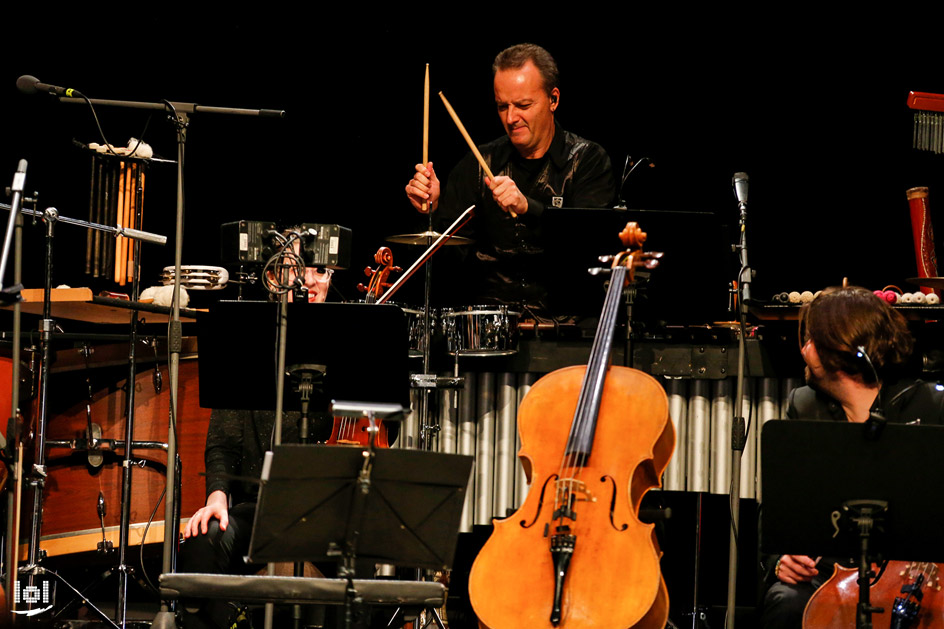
{"x":537,"y":511}
{"x":613,"y":503}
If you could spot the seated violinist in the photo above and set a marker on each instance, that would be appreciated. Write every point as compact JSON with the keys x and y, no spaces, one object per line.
{"x":217,"y":536}
{"x":856,"y":347}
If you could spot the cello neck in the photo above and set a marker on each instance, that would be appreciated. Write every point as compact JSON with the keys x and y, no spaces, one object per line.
{"x":583,"y":426}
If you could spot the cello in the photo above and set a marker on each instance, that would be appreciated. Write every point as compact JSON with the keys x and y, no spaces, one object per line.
{"x":909,"y":592}
{"x":594,"y":439}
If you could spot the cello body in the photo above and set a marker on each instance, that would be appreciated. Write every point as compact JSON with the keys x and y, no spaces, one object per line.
{"x":613,"y":578}
{"x":594,"y":439}
{"x":833,"y":605}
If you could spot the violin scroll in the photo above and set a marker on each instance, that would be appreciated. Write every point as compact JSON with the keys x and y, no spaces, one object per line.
{"x":379,"y":276}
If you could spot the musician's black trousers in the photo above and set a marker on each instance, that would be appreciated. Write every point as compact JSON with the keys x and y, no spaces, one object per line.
{"x":217,"y":552}
{"x":784,"y":603}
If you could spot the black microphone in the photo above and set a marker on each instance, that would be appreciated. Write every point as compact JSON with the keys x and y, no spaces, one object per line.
{"x":31,"y":85}
{"x":739,"y":181}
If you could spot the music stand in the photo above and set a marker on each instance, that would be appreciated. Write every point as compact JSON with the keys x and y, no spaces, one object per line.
{"x":398,"y":507}
{"x":830,"y":490}
{"x":238,"y":356}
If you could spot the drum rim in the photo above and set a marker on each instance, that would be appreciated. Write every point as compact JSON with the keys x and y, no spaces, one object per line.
{"x":450,"y":312}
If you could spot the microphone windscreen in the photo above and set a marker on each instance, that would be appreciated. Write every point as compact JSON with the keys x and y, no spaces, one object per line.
{"x":27,"y":84}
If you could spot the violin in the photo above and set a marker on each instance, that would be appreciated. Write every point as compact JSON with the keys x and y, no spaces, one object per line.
{"x":594,"y":440}
{"x":909,"y":592}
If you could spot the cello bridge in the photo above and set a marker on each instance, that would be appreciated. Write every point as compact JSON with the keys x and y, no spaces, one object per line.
{"x":570,"y":490}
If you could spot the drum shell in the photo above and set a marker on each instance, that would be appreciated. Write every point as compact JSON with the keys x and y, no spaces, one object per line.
{"x":416,"y":327}
{"x":481,"y":330}
{"x":70,"y":517}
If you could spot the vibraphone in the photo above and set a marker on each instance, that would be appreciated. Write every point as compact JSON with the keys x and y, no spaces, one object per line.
{"x":699,"y":378}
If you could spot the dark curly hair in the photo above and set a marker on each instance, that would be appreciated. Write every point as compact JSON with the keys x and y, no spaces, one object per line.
{"x":516,"y":56}
{"x":840,"y":320}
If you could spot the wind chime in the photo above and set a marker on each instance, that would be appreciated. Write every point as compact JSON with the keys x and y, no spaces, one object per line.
{"x":116,"y":197}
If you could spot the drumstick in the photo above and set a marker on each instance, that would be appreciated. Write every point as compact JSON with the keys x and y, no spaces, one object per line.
{"x":465,"y":134}
{"x":426,"y":129}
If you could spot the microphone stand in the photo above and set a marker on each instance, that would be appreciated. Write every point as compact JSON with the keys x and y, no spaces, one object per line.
{"x":12,"y":441}
{"x":181,"y":119}
{"x":738,"y":436}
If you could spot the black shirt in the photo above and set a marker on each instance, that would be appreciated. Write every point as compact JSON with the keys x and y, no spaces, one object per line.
{"x":505,"y":263}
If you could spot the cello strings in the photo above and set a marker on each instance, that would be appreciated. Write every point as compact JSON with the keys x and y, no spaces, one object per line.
{"x":575,"y":454}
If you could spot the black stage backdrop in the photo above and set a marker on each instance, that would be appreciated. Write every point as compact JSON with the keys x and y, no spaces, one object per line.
{"x":812,"y":107}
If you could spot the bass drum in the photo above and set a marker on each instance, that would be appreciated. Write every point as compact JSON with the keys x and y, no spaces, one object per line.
{"x":71,"y":522}
{"x":481,"y":330}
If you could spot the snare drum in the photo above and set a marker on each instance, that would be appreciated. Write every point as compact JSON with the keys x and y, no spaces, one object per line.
{"x":416,"y":327}
{"x":481,"y":330}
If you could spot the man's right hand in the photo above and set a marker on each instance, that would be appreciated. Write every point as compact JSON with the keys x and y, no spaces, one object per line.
{"x":217,"y":506}
{"x":796,"y":569}
{"x":423,"y":187}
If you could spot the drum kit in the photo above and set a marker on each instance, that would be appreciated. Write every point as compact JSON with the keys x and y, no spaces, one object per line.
{"x":473,"y":330}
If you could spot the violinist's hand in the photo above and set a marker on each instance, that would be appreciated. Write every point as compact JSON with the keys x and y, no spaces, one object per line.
{"x":217,"y":506}
{"x":507,"y":195}
{"x":423,"y":187}
{"x":795,"y":569}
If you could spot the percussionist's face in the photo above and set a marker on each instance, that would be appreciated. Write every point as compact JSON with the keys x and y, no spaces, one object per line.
{"x":525,"y":109}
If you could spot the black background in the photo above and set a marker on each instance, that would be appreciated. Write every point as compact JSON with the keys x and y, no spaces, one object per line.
{"x":811,"y":106}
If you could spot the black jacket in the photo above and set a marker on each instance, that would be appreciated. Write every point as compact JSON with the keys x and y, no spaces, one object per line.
{"x":505,"y":263}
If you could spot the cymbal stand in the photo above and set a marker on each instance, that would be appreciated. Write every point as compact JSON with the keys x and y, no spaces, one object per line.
{"x":427,"y":430}
{"x":179,"y":114}
{"x":427,"y":381}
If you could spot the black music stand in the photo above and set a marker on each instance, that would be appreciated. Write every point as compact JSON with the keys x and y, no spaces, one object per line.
{"x":831,"y":490}
{"x":399,"y":507}
{"x":308,"y":506}
{"x":238,"y":356}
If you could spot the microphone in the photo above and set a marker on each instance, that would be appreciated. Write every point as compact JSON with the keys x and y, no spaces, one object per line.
{"x":739,"y":181}
{"x":31,"y":85}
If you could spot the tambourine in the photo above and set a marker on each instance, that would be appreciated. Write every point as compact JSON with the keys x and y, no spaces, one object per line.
{"x":197,"y":277}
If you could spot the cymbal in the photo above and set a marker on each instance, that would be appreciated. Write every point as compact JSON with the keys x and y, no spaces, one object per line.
{"x":426,"y":238}
{"x":930,"y":282}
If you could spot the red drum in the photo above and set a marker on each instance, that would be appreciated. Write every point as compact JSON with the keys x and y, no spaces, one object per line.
{"x":70,"y":516}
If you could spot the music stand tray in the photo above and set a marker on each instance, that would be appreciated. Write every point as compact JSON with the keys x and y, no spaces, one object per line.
{"x":810,"y":468}
{"x":311,"y":496}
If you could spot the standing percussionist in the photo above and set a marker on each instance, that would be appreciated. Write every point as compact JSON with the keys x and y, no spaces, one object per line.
{"x":855,"y":347}
{"x":536,"y":164}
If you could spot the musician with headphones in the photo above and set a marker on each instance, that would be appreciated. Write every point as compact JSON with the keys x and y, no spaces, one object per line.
{"x":536,"y":164}
{"x":856,"y":348}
